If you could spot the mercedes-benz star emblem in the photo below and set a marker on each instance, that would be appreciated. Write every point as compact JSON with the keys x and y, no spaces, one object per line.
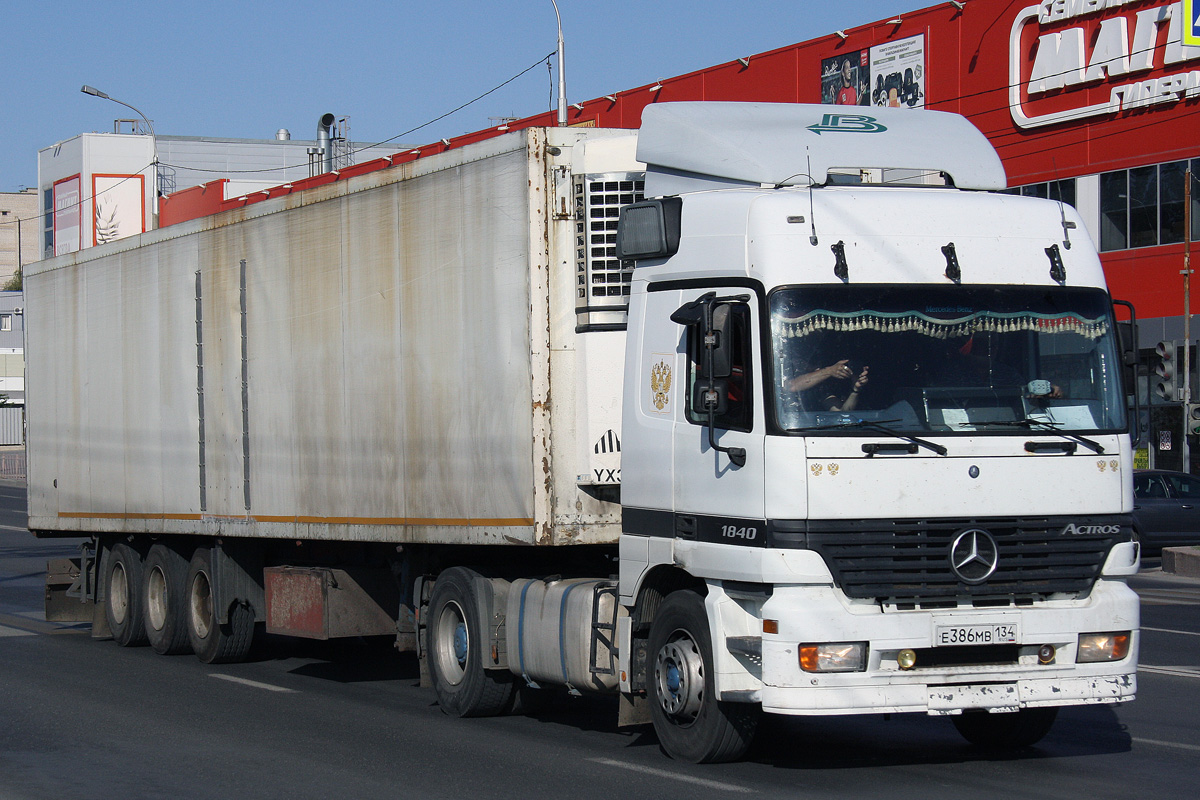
{"x":973,"y":555}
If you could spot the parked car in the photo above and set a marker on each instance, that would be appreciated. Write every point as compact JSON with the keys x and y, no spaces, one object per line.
{"x":1166,"y":509}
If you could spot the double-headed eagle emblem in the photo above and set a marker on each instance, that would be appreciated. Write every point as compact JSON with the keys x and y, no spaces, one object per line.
{"x":660,"y":384}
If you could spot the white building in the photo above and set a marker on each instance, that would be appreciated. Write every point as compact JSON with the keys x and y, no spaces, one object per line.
{"x":98,"y":187}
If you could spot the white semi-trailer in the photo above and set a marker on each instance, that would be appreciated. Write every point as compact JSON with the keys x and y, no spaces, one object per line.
{"x":780,"y":411}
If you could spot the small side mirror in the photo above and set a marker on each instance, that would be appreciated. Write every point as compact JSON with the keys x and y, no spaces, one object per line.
{"x":711,"y":395}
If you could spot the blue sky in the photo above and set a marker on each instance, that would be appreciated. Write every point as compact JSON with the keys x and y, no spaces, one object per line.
{"x":243,"y":68}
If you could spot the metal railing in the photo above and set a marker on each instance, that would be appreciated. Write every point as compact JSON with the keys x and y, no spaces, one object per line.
{"x":12,"y":464}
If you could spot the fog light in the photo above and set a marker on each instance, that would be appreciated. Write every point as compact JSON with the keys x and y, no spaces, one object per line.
{"x":1046,"y":654}
{"x":1102,"y":647}
{"x":907,"y":659}
{"x":834,"y":657}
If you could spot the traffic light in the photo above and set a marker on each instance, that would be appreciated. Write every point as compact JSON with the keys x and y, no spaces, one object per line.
{"x":1193,"y":418}
{"x":1168,"y":370}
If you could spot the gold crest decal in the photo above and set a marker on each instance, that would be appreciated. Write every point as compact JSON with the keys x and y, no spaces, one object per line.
{"x":816,"y":469}
{"x":660,"y":384}
{"x":1114,"y":464}
{"x":1102,"y":465}
{"x":833,"y":469}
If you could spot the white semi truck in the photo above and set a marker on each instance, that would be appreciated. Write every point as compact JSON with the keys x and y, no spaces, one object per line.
{"x":764,"y":408}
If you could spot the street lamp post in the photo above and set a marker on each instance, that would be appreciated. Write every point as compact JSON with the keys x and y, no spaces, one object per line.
{"x":562,"y":82}
{"x":94,"y":92}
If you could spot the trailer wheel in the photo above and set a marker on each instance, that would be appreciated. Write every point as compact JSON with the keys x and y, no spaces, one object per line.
{"x":212,"y":642}
{"x":1005,"y":731}
{"x":454,"y":640}
{"x":122,"y":600}
{"x":164,"y":582}
{"x":692,"y":725}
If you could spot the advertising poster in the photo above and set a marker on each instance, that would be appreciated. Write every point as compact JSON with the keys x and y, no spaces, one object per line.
{"x":66,"y":216}
{"x":120,"y":207}
{"x":897,"y":70}
{"x":846,"y":79}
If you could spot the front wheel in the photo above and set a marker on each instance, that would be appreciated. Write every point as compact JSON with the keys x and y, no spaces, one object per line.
{"x":1005,"y":731}
{"x":455,"y":644}
{"x":691,"y":723}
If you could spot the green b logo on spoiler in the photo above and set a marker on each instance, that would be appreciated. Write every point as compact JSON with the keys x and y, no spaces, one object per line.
{"x":847,"y":123}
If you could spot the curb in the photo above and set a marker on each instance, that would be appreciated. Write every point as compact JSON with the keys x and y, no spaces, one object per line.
{"x":1183,"y":561}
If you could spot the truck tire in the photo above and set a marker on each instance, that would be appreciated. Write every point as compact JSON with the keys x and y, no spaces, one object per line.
{"x":164,"y":595}
{"x":1005,"y":731}
{"x":454,"y":644}
{"x":212,"y":642}
{"x":122,"y":596}
{"x":692,"y":725}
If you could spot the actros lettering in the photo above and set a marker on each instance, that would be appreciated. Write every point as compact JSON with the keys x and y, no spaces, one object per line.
{"x":1091,"y":530}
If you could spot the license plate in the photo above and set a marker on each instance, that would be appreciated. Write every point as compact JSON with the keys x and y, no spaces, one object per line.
{"x":948,"y":635}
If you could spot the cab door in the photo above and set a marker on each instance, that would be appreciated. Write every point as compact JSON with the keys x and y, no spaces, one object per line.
{"x":718,"y":471}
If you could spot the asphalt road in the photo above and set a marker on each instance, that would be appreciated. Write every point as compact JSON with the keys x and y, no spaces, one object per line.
{"x":82,"y":719}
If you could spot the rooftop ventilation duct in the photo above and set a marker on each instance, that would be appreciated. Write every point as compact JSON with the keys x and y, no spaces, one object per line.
{"x":325,"y":141}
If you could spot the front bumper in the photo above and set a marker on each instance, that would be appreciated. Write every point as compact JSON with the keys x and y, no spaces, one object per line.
{"x":814,"y":614}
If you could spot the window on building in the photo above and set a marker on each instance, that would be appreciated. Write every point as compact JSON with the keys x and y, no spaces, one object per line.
{"x":1144,"y":206}
{"x":5,"y":322}
{"x":48,"y":221}
{"x":1050,"y":190}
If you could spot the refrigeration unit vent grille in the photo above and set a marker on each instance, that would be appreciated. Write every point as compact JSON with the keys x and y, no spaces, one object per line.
{"x":602,"y":281}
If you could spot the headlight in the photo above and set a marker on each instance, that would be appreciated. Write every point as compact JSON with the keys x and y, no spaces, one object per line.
{"x":1102,"y":647}
{"x":834,"y":657}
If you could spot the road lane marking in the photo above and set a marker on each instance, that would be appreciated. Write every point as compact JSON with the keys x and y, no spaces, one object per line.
{"x":34,"y":622}
{"x":7,"y":631}
{"x":1160,"y":743}
{"x":1170,"y":630}
{"x":662,"y":773}
{"x":1178,"y":672}
{"x":14,"y":528}
{"x":247,"y":682}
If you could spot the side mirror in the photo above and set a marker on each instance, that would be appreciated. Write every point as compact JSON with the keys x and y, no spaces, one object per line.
{"x":715,"y":333}
{"x":1127,"y":337}
{"x":722,"y":328}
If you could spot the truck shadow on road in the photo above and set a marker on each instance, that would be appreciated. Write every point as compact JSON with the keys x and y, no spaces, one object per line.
{"x":361,"y":660}
{"x":838,"y":743}
{"x":833,"y":743}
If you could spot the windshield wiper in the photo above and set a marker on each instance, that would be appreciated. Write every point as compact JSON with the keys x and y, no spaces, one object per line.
{"x":1042,"y":425}
{"x":877,"y":426}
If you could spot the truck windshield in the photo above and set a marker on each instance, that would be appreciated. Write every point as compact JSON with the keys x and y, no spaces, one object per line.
{"x":946,"y":359}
